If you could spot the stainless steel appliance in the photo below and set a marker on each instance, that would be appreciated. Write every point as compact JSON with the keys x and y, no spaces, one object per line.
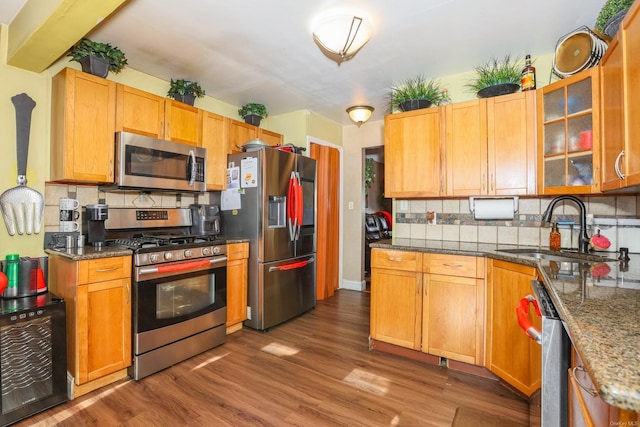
{"x":205,"y":219}
{"x":149,"y":163}
{"x":556,"y":355}
{"x":277,"y":214}
{"x":179,"y":283}
{"x":93,"y":219}
{"x":33,"y":356}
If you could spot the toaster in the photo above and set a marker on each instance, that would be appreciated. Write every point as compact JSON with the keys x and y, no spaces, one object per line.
{"x":205,"y":219}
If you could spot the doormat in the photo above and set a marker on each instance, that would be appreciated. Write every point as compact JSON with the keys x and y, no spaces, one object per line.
{"x":468,"y":417}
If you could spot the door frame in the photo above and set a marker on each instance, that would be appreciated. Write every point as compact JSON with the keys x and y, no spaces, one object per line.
{"x":313,"y":140}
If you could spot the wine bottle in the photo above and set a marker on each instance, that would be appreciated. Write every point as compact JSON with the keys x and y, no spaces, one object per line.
{"x":528,"y":79}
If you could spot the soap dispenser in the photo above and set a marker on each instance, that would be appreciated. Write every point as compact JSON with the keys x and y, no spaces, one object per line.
{"x":554,"y":238}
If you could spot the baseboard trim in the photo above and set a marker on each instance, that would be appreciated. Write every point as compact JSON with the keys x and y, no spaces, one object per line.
{"x":353,"y":285}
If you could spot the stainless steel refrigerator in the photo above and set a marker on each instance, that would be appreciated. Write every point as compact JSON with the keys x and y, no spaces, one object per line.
{"x":274,"y":207}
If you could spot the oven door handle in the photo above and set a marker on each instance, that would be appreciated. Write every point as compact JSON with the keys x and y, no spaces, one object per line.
{"x":183,"y":266}
{"x":522,"y":311}
{"x":292,"y":266}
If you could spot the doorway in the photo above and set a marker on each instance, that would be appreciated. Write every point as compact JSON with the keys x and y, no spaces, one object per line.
{"x":375,"y":205}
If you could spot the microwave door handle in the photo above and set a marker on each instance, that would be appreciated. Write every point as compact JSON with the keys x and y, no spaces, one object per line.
{"x":191,"y":168}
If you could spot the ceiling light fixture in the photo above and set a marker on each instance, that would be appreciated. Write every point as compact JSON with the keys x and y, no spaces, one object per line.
{"x":360,"y":113}
{"x":341,"y":37}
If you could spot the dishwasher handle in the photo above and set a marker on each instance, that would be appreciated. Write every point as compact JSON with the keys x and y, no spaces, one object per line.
{"x":522,"y":311}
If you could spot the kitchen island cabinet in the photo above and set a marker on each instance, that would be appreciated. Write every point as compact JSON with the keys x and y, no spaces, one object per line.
{"x":237,"y":277}
{"x":453,"y":307}
{"x":147,"y":114}
{"x":83,"y":126}
{"x":396,"y":297}
{"x":413,"y":154}
{"x":97,"y":293}
{"x":620,"y":88}
{"x":511,"y":354}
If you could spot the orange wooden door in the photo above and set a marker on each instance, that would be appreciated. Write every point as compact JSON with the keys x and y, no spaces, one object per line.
{"x":328,"y":219}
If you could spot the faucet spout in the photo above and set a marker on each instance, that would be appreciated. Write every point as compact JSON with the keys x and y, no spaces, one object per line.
{"x":583,"y":240}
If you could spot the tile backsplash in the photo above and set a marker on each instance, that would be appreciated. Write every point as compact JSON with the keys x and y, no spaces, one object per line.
{"x":615,"y":217}
{"x":87,"y":195}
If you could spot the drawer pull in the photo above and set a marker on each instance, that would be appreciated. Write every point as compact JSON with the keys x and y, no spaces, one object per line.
{"x":105,"y":270}
{"x":593,"y":392}
{"x":395,"y":259}
{"x":453,"y":265}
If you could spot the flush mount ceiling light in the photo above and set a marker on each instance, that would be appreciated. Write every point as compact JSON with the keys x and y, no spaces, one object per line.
{"x":341,"y":37}
{"x":360,"y":113}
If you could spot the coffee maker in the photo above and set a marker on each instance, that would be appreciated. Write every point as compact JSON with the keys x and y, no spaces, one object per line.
{"x":93,"y":219}
{"x":205,"y":219}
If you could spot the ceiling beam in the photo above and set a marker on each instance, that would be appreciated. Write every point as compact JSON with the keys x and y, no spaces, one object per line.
{"x":44,"y":30}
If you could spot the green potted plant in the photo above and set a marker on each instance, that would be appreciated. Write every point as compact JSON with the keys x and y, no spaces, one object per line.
{"x":185,"y":91}
{"x":253,"y":113}
{"x":415,"y":93}
{"x":97,"y":58}
{"x":611,"y":15}
{"x":496,"y":77}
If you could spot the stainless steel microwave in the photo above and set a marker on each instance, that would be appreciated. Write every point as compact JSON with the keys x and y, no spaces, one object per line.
{"x":150,"y":163}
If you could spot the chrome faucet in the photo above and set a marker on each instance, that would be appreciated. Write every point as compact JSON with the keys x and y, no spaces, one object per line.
{"x":583,"y":240}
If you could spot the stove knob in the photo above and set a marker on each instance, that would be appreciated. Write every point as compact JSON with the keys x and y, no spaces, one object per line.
{"x":154,"y":257}
{"x":217,"y":250}
{"x":168,"y":256}
{"x":206,"y":251}
{"x":188,"y":253}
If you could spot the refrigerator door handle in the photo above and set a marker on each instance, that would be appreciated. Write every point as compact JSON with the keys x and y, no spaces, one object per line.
{"x":291,"y":206}
{"x":299,"y":205}
{"x":292,"y":266}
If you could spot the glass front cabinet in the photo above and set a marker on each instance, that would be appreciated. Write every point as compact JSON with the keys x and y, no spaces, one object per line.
{"x":568,"y":122}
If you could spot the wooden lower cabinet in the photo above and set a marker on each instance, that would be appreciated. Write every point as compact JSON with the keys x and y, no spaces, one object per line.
{"x":510,"y":353}
{"x":97,"y":293}
{"x":586,"y":408}
{"x":396,"y":297}
{"x":453,"y":307}
{"x":237,"y":271}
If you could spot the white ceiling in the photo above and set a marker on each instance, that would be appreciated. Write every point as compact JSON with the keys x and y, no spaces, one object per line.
{"x":263,"y":51}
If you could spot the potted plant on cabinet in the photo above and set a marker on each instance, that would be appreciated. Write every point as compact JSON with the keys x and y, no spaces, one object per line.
{"x":496,"y":77}
{"x":185,"y":91}
{"x":253,"y":113}
{"x":97,"y":58}
{"x":415,"y":93}
{"x":611,"y":15}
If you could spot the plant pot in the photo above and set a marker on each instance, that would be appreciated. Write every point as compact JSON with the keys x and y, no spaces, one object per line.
{"x":612,"y":25}
{"x":497,"y":90}
{"x":252,"y":119}
{"x":94,"y":65}
{"x":188,"y":98}
{"x":414,"y":104}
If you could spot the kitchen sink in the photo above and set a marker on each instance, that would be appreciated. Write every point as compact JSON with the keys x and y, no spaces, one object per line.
{"x":562,"y":256}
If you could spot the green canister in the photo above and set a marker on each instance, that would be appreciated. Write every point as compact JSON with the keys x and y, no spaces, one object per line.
{"x":11,"y":269}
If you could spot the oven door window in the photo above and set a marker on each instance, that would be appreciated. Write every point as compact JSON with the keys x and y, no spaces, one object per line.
{"x":166,"y":301}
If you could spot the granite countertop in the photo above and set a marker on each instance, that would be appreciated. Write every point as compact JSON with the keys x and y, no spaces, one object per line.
{"x":89,"y":252}
{"x":599,"y":303}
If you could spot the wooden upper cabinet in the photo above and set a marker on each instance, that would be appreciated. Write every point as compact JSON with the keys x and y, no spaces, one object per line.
{"x":239,"y":134}
{"x":152,"y":115}
{"x":620,"y":89}
{"x":569,"y":135}
{"x":271,"y":138}
{"x":491,"y":146}
{"x":214,"y":139}
{"x":512,"y":144}
{"x":412,"y":149}
{"x":182,"y":122}
{"x":466,"y":148}
{"x":83,"y":126}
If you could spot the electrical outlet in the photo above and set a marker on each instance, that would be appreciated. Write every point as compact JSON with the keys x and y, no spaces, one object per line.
{"x":431,"y":218}
{"x":589,"y":219}
{"x":350,"y":206}
{"x":404,"y":205}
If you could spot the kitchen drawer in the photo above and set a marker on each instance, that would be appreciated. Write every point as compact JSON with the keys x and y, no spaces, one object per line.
{"x":396,"y":260}
{"x":237,"y":251}
{"x":454,"y":265}
{"x":101,"y":269}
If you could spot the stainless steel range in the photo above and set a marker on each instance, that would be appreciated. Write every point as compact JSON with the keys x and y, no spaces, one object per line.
{"x":179,"y":286}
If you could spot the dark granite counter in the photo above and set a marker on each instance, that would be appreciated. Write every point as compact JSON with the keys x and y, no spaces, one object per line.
{"x":89,"y":252}
{"x":599,"y":303}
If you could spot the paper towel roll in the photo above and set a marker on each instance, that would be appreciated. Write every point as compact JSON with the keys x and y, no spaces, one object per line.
{"x":503,"y":208}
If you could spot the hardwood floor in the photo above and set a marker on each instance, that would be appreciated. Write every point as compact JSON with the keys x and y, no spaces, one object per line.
{"x":316,"y":370}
